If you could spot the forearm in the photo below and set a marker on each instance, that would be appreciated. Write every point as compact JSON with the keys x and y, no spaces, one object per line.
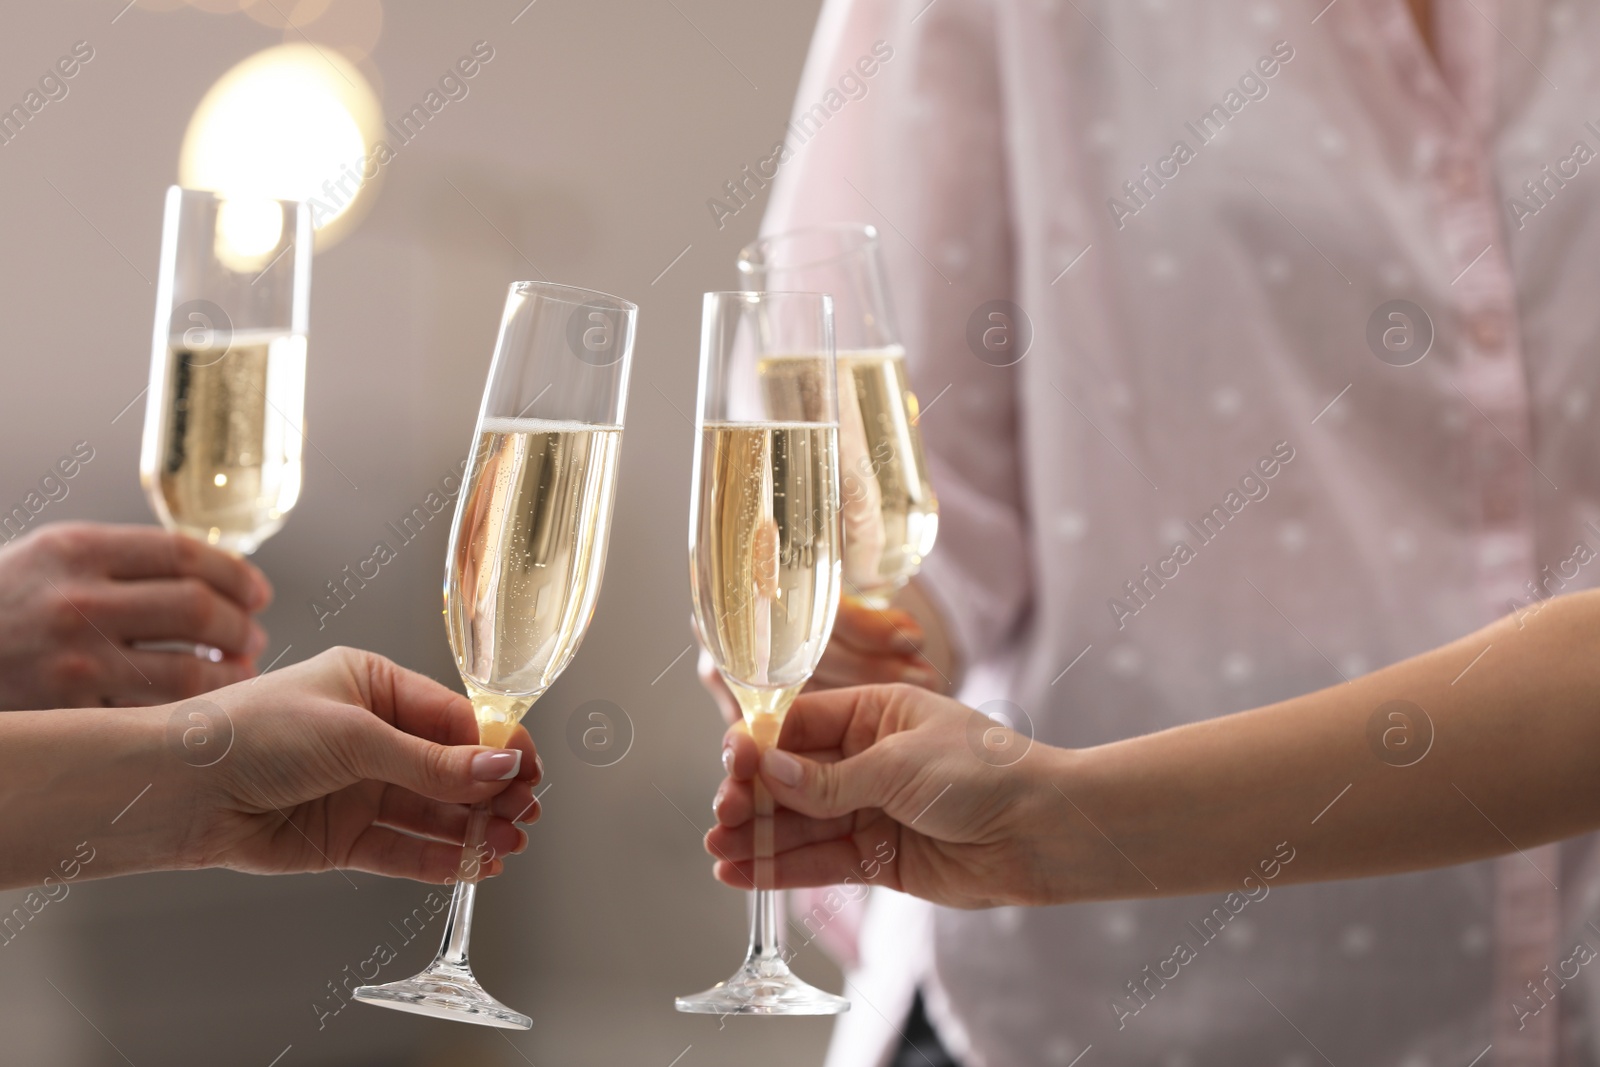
{"x":74,"y":796}
{"x":1515,"y":740}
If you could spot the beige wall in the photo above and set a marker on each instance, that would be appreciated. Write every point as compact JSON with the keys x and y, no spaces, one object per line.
{"x":592,"y":141}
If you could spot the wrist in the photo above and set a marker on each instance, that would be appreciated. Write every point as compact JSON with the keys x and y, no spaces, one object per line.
{"x":180,"y":808}
{"x":91,"y":785}
{"x":132,"y":805}
{"x":1083,"y":826}
{"x":1049,"y":823}
{"x":139,"y":804}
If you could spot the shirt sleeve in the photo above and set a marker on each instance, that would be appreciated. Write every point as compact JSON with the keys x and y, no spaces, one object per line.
{"x":899,"y":122}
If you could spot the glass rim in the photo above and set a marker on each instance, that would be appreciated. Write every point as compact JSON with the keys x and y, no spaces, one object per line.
{"x":719,"y":299}
{"x":762,"y":294}
{"x":571,"y":294}
{"x":218,"y":196}
{"x":867,"y":233}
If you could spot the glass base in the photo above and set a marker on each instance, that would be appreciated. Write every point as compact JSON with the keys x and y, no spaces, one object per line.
{"x":763,"y":987}
{"x":444,"y":992}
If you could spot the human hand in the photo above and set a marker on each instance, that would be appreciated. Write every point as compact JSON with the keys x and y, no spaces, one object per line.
{"x":350,"y":761}
{"x":868,"y":647}
{"x":76,"y":597}
{"x":861,"y":775}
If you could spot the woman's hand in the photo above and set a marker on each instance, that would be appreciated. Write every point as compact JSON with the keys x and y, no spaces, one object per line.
{"x":868,"y":647}
{"x":896,"y":784}
{"x":349,"y":761}
{"x":892,"y":781}
{"x":77,"y":598}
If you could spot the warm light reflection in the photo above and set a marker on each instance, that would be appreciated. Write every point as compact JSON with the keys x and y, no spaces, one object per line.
{"x":283,"y":124}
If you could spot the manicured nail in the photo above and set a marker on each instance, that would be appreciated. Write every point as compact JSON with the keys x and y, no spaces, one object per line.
{"x":921,"y":677}
{"x":538,"y":768}
{"x":256,"y":641}
{"x":782,"y":767}
{"x":498,"y":766}
{"x":727,"y":761}
{"x":716,"y":801}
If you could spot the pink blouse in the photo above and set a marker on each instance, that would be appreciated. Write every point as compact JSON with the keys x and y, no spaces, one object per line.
{"x":1256,"y":350}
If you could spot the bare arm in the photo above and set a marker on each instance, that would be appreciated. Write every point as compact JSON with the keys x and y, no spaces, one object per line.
{"x":345,"y":760}
{"x":1418,"y":765}
{"x":1348,"y":779}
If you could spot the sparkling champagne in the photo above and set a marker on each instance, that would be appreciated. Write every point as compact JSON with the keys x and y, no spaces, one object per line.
{"x":891,"y":516}
{"x":764,"y":551}
{"x":224,"y":461}
{"x":525,"y":559}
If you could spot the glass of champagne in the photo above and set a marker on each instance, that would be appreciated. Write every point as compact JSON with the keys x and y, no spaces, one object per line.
{"x":526,"y":555}
{"x":890,"y":514}
{"x":220,"y":460}
{"x":764,"y":563}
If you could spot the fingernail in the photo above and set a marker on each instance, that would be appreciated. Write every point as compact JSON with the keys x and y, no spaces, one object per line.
{"x":920,"y":676}
{"x":727,"y":761}
{"x":538,"y":768}
{"x":716,"y":801}
{"x":257,"y":640}
{"x":782,"y":767}
{"x":498,"y":766}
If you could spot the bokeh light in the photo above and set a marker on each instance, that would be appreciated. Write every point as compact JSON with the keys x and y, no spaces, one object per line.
{"x":294,"y":122}
{"x":248,"y":231}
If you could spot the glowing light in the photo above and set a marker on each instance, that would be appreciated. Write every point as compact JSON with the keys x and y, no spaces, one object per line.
{"x":288,"y":123}
{"x":248,"y":232}
{"x":220,"y":480}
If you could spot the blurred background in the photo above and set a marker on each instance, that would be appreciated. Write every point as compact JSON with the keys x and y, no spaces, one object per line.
{"x":583,"y":151}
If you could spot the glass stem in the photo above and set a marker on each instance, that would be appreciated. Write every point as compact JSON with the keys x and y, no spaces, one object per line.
{"x":458,"y":924}
{"x":764,"y":927}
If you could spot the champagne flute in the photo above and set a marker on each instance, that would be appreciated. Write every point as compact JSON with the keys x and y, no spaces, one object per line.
{"x":221,"y":455}
{"x":526,"y":555}
{"x":890,"y":514}
{"x":764,"y":562}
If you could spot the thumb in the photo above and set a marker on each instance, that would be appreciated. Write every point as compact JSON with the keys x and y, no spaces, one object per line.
{"x":456,"y":774}
{"x":828,"y":790}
